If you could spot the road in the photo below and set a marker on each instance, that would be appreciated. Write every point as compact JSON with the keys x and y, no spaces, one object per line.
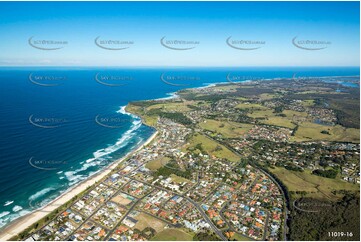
{"x":125,"y":215}
{"x":285,"y":228}
{"x":204,"y":215}
{"x":227,"y":222}
{"x":217,"y":231}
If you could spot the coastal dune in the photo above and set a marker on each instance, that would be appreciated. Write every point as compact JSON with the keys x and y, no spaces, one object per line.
{"x":22,"y":223}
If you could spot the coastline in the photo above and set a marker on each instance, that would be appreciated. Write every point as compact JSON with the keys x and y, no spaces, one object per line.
{"x":19,"y":225}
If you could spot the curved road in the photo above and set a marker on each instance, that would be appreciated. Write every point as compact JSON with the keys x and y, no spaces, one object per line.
{"x":266,"y":173}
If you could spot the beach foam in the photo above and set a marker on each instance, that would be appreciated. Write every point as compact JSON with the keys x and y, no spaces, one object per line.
{"x":7,"y":203}
{"x":4,"y":214}
{"x":17,"y":208}
{"x":5,"y":217}
{"x":101,"y":155}
{"x":40,"y":193}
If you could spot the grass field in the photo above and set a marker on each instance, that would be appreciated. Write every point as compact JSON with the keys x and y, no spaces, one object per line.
{"x":308,"y":103}
{"x":179,"y":179}
{"x":210,"y":146}
{"x":158,"y":163}
{"x":267,"y":96}
{"x":279,"y":121}
{"x":172,"y":106}
{"x":227,"y":87}
{"x":123,"y":199}
{"x":227,"y":128}
{"x":264,"y":113}
{"x":254,"y":106}
{"x":133,"y":109}
{"x":148,"y":120}
{"x":315,"y":186}
{"x":291,"y":113}
{"x":145,"y":220}
{"x":239,"y":237}
{"x":172,"y":235}
{"x":310,"y":131}
{"x":271,"y":118}
{"x":307,"y":130}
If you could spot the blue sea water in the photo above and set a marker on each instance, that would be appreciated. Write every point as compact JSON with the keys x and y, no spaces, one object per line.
{"x":60,"y":125}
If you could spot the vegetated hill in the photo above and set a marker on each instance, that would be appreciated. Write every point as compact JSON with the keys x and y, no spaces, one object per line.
{"x":342,"y":216}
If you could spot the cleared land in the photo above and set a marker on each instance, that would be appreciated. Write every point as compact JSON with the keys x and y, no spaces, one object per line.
{"x":148,"y":120}
{"x":254,"y":106}
{"x":315,"y":186}
{"x":145,"y":220}
{"x":239,"y":237}
{"x":279,"y":121}
{"x":210,"y":147}
{"x":310,"y":131}
{"x":123,"y":199}
{"x":227,"y":128}
{"x":158,"y":163}
{"x":172,"y":106}
{"x":267,"y":116}
{"x":172,"y":234}
{"x":179,"y":179}
{"x":267,"y":96}
{"x":307,"y":131}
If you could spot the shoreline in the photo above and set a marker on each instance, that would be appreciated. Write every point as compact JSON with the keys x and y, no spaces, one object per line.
{"x":20,"y":224}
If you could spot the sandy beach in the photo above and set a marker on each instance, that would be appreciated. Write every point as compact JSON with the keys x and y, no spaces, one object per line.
{"x":20,"y":224}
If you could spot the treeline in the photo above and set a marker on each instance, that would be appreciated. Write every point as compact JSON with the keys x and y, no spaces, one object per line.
{"x":292,"y":167}
{"x":143,"y":103}
{"x":250,"y":92}
{"x":346,"y":106}
{"x":278,"y":109}
{"x":209,"y":98}
{"x":279,"y":182}
{"x":341,"y":216}
{"x":176,"y":117}
{"x":202,"y":236}
{"x":331,"y":173}
{"x":147,"y":232}
{"x":166,"y":172}
{"x":294,"y":130}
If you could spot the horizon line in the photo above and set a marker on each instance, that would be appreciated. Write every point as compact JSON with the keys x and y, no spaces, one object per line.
{"x":104,"y":66}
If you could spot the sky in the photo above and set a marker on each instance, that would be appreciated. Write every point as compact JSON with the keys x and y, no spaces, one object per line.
{"x":261,"y":33}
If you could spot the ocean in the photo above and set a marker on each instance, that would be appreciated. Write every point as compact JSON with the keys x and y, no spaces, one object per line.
{"x":60,"y":125}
